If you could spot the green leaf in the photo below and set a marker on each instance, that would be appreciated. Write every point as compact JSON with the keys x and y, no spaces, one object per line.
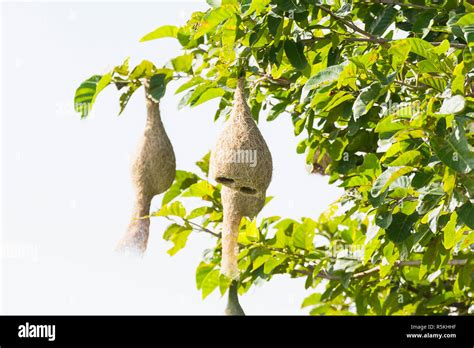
{"x":178,"y":235}
{"x":366,"y":99}
{"x":260,"y":260}
{"x":210,"y":283}
{"x":88,"y":91}
{"x":422,"y":48}
{"x":399,"y":50}
{"x":203,"y":163}
{"x":383,"y":219}
{"x":454,"y":151}
{"x":423,"y":23}
{"x":276,"y":111}
{"x":192,"y":82}
{"x":257,"y":6}
{"x":466,"y":20}
{"x":202,"y":271}
{"x":295,"y":53}
{"x":212,"y":19}
{"x":209,"y":94}
{"x":174,"y":209}
{"x":274,"y":22}
{"x":199,"y":212}
{"x":182,"y":181}
{"x":125,"y":97}
{"x":200,"y":189}
{"x":449,"y":232}
{"x":163,"y":31}
{"x":144,"y":69}
{"x":383,"y":21}
{"x":407,"y":158}
{"x":457,"y":84}
{"x":183,"y":63}
{"x":224,"y":283}
{"x":273,"y":263}
{"x":400,"y":228}
{"x":389,"y":124}
{"x":386,"y":178}
{"x":311,"y":300}
{"x":327,"y":75}
{"x":466,"y":213}
{"x":303,"y":235}
{"x":157,"y":87}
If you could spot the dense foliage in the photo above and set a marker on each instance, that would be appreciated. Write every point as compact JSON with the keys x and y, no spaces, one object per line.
{"x":385,"y":90}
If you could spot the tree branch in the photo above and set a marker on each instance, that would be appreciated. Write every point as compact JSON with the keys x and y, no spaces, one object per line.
{"x":352,"y":26}
{"x":279,"y":81}
{"x":202,"y":228}
{"x":324,"y":274}
{"x":414,"y":263}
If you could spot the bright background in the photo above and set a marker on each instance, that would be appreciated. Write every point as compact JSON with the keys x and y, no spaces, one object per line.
{"x":66,"y":190}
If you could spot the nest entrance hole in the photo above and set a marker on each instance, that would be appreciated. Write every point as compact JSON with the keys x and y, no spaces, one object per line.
{"x":248,"y":190}
{"x":224,"y":181}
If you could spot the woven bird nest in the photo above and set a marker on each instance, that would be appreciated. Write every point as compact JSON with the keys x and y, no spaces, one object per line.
{"x":242,"y":163}
{"x":241,"y":159}
{"x":153,"y":172}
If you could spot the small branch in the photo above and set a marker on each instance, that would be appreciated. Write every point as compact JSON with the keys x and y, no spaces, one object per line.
{"x":202,"y":228}
{"x":452,"y":44}
{"x":349,"y":39}
{"x":279,"y":81}
{"x":352,"y":26}
{"x":417,"y":87}
{"x":197,"y":226}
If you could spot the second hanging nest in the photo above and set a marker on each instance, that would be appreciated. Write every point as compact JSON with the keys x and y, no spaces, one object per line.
{"x":153,"y":172}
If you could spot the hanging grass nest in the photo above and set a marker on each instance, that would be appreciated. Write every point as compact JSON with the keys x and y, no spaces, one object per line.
{"x":242,"y":163}
{"x":241,"y":159}
{"x":153,"y":172}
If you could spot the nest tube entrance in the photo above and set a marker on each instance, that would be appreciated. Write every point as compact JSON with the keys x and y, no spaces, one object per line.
{"x":153,"y":171}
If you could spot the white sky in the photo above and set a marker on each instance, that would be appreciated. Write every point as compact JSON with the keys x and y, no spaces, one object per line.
{"x":66,"y":190}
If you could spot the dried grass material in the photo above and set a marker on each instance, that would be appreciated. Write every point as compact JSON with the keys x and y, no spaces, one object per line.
{"x":153,"y":172}
{"x":241,"y":203}
{"x":241,"y":158}
{"x":236,"y":205}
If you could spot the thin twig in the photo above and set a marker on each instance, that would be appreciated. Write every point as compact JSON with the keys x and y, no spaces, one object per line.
{"x":202,"y":228}
{"x":352,"y":25}
{"x":452,"y":44}
{"x":418,"y":87}
{"x":279,"y":81}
